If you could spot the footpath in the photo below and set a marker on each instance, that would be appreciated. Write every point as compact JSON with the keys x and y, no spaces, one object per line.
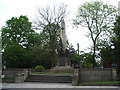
{"x":52,"y":86}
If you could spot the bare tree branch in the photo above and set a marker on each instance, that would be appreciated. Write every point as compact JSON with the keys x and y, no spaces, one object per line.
{"x":50,"y":15}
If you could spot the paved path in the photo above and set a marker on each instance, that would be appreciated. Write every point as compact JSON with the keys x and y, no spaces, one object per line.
{"x":55,"y":85}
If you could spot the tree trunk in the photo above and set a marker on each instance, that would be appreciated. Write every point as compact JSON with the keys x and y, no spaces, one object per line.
{"x":53,"y":54}
{"x":94,"y":47}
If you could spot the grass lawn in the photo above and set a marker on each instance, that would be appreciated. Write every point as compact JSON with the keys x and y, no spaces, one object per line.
{"x":51,"y":73}
{"x":110,"y":83}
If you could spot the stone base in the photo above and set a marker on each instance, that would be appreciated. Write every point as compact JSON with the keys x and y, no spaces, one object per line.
{"x":63,"y":61}
{"x":62,"y":69}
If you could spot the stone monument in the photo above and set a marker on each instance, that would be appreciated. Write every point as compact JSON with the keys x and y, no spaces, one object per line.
{"x":63,"y":58}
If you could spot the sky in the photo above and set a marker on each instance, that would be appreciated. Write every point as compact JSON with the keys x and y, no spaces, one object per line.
{"x":15,"y":8}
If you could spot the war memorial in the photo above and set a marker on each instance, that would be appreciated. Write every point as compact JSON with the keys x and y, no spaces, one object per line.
{"x":63,"y":65}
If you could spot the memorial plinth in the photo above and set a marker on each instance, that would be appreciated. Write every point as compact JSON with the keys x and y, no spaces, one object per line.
{"x":63,"y":61}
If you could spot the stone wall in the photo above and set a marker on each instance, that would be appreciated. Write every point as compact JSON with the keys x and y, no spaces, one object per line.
{"x":92,"y":75}
{"x":86,"y":75}
{"x":19,"y":75}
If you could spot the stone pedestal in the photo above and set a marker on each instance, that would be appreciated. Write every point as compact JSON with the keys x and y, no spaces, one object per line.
{"x":63,"y":61}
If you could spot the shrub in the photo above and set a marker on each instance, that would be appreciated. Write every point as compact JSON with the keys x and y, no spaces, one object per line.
{"x":39,"y":68}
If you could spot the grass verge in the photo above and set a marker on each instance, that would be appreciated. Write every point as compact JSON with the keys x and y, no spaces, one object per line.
{"x":101,"y":83}
{"x":8,"y":80}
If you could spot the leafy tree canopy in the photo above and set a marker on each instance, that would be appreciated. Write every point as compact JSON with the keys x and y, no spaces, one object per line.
{"x":17,"y":41}
{"x":17,"y":31}
{"x":98,"y":18}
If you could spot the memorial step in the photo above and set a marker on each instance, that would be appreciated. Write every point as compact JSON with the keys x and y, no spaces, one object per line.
{"x":49,"y":78}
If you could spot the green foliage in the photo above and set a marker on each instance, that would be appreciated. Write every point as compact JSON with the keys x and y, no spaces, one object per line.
{"x":70,"y":49}
{"x":116,"y":37}
{"x":8,"y":80}
{"x":17,"y":41}
{"x":15,"y":56}
{"x":51,"y":34}
{"x":17,"y":31}
{"x":82,"y":60}
{"x":40,"y":55}
{"x":100,"y":83}
{"x":39,"y":68}
{"x":48,"y":20}
{"x":42,"y":51}
{"x":76,"y":58}
{"x":107,"y":54}
{"x":116,"y":40}
{"x":98,"y":17}
{"x":87,"y":60}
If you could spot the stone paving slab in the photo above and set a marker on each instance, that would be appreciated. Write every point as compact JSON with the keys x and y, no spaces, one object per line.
{"x":53,"y":86}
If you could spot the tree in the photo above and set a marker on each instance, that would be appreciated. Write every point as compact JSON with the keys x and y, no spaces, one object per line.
{"x":48,"y":20}
{"x":50,"y":15}
{"x":53,"y":31}
{"x":17,"y":42}
{"x":98,"y":18}
{"x":116,"y":41}
{"x":17,"y":31}
{"x":106,"y":54}
{"x":40,"y":55}
{"x":76,"y":60}
{"x":16,"y":57}
{"x":83,"y":60}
